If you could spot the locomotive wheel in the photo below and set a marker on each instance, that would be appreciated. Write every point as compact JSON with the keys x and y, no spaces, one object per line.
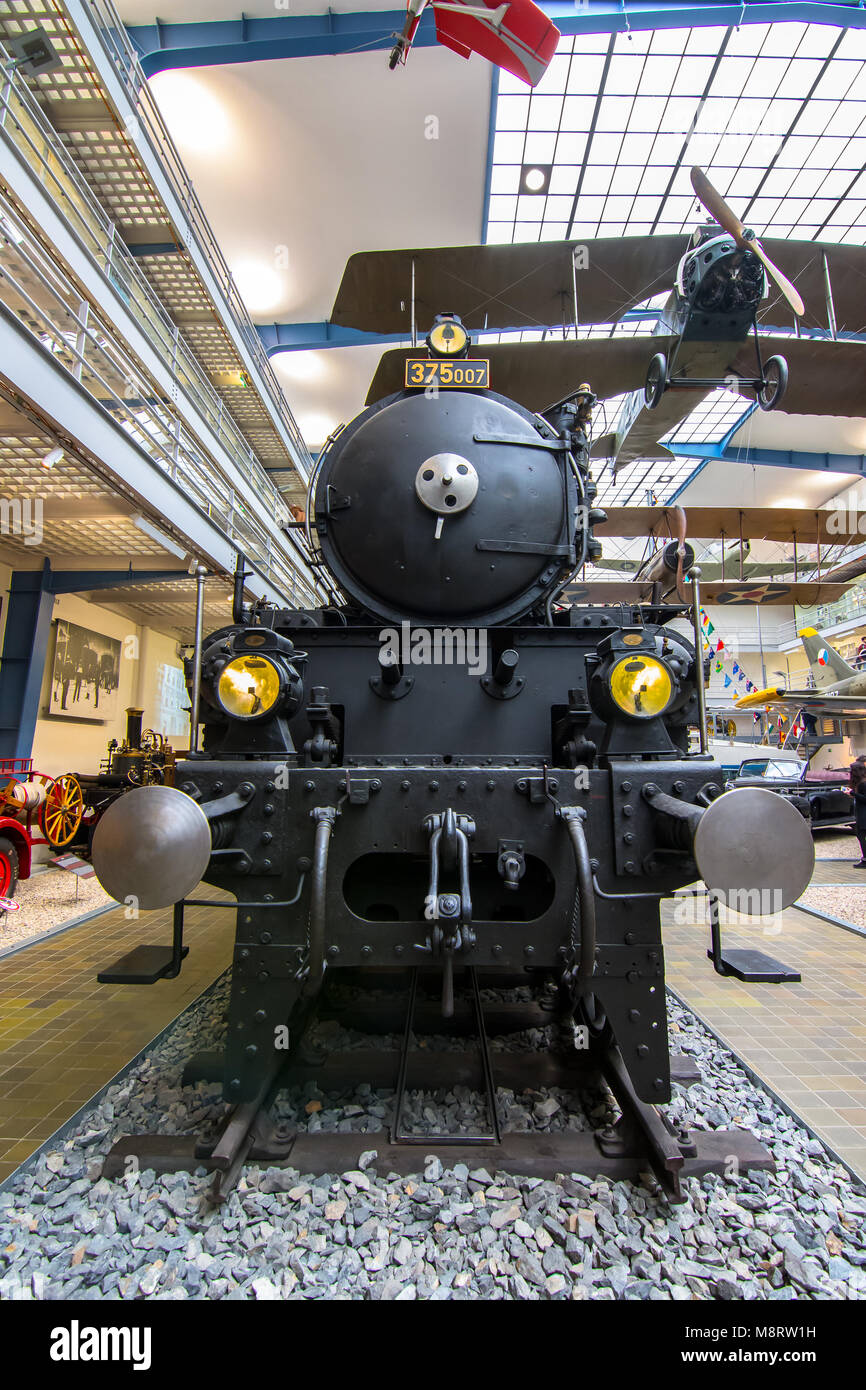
{"x":8,"y":868}
{"x":656,"y":381}
{"x":774,"y":384}
{"x":61,"y":814}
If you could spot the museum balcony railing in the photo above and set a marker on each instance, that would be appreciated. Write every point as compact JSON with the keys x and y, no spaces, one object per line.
{"x":109,"y":43}
{"x":23,"y":122}
{"x":38,"y":290}
{"x":78,"y":329}
{"x":846,"y":609}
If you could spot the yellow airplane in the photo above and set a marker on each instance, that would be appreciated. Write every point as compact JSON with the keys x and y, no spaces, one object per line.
{"x":839,"y":689}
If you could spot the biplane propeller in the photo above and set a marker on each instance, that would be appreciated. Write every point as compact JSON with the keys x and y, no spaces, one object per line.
{"x":515,"y":35}
{"x":722,"y":286}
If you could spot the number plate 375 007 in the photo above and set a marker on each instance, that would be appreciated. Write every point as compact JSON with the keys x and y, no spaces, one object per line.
{"x":467,"y":372}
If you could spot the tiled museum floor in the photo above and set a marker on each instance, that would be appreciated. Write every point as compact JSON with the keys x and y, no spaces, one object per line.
{"x":807,"y":1040}
{"x":63,"y":1035}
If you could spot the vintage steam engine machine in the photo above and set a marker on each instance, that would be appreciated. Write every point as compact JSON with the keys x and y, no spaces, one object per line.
{"x":446,"y":767}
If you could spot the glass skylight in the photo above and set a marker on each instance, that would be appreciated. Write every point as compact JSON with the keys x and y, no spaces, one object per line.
{"x":775,"y":113}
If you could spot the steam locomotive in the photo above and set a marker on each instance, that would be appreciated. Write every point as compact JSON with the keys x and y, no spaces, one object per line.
{"x":447,"y":765}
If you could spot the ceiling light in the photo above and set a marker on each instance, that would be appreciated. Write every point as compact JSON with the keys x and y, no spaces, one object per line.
{"x":195,"y":117}
{"x":315,"y":428}
{"x":54,"y":457}
{"x":228,"y":379}
{"x":260,"y":287}
{"x":301,"y":366}
{"x":535,"y":178}
{"x":153,"y":533}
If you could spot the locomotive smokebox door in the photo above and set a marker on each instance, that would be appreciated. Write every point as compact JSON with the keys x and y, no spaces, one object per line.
{"x":453,"y":507}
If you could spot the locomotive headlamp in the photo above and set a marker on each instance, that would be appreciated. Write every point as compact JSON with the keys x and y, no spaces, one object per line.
{"x":249,"y":687}
{"x":448,"y":337}
{"x":641,"y":686}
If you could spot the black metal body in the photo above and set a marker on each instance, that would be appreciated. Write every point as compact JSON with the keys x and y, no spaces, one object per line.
{"x":478,"y":813}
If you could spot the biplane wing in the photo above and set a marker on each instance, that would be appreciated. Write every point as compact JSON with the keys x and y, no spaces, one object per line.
{"x":826,"y":380}
{"x":520,"y":285}
{"x":516,"y":35}
{"x":532,"y":284}
{"x":711,"y":570}
{"x":826,"y":376}
{"x":805,"y":594}
{"x":539,"y":374}
{"x":723,"y":523}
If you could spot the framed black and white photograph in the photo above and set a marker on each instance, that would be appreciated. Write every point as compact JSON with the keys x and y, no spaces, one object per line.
{"x":86,"y":673}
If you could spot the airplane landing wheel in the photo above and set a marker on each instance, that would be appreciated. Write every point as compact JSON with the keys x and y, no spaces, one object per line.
{"x":656,"y":381}
{"x":774,"y":384}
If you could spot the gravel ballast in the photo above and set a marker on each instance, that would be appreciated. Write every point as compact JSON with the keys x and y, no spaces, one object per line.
{"x":447,"y":1233}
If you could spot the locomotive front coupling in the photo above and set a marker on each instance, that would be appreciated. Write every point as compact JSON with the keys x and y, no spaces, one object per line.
{"x":153,"y":846}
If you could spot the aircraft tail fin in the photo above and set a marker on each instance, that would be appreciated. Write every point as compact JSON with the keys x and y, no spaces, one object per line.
{"x":827,"y":665}
{"x":516,"y":36}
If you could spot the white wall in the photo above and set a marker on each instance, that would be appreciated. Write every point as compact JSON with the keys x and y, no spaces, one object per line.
{"x":76,"y":745}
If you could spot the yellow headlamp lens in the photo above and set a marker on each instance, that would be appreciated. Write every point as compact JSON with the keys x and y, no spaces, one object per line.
{"x":248,"y":687}
{"x":641,"y":686}
{"x":447,"y":339}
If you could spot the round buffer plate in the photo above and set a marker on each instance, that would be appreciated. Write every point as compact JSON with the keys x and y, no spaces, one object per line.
{"x":153,"y":845}
{"x":754,"y":850}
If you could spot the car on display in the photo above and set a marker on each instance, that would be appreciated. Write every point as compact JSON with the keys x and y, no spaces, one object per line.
{"x":732,"y":755}
{"x":821,"y":795}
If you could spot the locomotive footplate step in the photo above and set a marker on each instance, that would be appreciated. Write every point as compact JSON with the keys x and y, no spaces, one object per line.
{"x":756,"y":967}
{"x":142,"y":966}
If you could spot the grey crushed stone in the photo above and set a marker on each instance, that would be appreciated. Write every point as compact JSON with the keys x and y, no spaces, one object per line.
{"x":445,"y":1234}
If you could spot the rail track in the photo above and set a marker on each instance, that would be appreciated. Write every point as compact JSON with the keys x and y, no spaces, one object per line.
{"x":426,"y":1058}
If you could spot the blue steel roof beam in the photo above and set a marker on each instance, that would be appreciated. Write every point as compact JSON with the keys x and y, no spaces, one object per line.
{"x":777,"y":458}
{"x":302,"y":337}
{"x":207,"y":43}
{"x":305,"y":337}
{"x":87,"y":581}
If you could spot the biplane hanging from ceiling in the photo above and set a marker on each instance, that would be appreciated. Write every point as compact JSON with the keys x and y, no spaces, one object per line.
{"x":662,"y":574}
{"x":727,"y":566}
{"x":723,"y":286}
